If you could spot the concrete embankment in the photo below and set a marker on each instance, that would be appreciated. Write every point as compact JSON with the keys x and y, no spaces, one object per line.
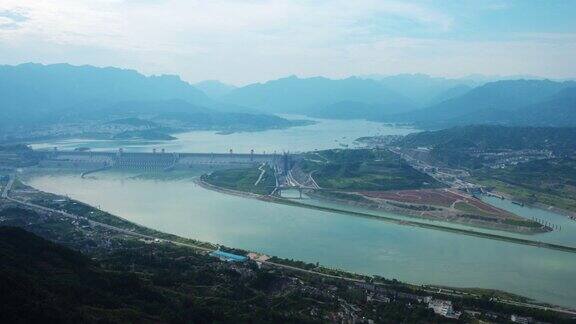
{"x":460,"y":231}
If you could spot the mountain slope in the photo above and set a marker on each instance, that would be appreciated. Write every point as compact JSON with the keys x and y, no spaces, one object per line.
{"x":557,"y":139}
{"x":35,"y":93}
{"x":214,"y":89}
{"x":45,"y":282}
{"x":306,"y":96}
{"x":33,"y":96}
{"x":495,"y":102}
{"x":42,"y":282}
{"x":178,"y":114}
{"x":421,"y":88}
{"x":450,"y":93}
{"x":558,"y":110}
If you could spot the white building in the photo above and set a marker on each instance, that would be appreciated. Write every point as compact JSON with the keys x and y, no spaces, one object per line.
{"x":443,"y":308}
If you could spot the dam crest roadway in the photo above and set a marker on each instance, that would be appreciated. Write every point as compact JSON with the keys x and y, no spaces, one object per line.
{"x":96,"y":161}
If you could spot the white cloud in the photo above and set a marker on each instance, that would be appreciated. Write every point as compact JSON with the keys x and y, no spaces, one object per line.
{"x":248,"y":40}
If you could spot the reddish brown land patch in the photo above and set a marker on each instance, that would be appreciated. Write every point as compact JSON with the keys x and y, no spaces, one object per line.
{"x":438,"y":197}
{"x":425,"y":196}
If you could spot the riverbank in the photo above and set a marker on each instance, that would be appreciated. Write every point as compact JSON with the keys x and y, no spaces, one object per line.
{"x":284,"y":201}
{"x":357,"y":245}
{"x":428,"y":212}
{"x":78,"y":212}
{"x":564,"y":212}
{"x":545,"y":184}
{"x":73,"y":230}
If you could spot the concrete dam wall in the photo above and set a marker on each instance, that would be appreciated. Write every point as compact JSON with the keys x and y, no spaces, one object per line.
{"x":152,"y":161}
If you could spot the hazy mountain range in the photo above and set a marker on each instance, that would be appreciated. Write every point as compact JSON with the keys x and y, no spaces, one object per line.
{"x":416,"y":98}
{"x":306,"y":96}
{"x":35,"y":94}
{"x":425,"y":90}
{"x":214,"y":88}
{"x":510,"y":102}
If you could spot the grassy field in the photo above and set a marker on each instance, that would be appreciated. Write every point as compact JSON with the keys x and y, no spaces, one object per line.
{"x":364,"y":170}
{"x":551,"y":182}
{"x":244,"y":180}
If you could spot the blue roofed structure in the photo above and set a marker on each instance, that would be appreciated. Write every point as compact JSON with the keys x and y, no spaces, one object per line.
{"x":228,"y":257}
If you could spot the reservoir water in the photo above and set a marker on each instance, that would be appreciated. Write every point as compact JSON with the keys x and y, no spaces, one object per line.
{"x":324,"y":134}
{"x":362,"y":245}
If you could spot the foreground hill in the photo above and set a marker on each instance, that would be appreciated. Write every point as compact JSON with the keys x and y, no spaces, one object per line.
{"x":45,"y":282}
{"x":42,"y":282}
{"x":306,"y":96}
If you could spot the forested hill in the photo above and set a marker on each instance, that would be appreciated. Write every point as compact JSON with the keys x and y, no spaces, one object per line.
{"x":42,"y":282}
{"x":558,"y":139}
{"x":558,"y":110}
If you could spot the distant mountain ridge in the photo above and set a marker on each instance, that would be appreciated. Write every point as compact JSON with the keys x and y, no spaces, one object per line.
{"x":509,"y":102}
{"x":450,"y":93}
{"x":557,"y":110}
{"x":424,"y":90}
{"x":36,"y":94}
{"x":214,"y":88}
{"x":399,"y":98}
{"x":33,"y":95}
{"x":308,"y":95}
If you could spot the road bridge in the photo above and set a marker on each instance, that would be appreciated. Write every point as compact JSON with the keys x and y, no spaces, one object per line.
{"x":8,"y":186}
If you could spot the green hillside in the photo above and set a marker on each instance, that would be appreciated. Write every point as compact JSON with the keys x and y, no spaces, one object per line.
{"x":364,"y":170}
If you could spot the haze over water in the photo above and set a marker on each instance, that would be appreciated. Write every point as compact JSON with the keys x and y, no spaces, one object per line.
{"x":406,"y":253}
{"x":324,"y":134}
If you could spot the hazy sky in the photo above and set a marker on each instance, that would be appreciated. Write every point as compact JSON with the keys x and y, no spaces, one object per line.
{"x":243,"y":41}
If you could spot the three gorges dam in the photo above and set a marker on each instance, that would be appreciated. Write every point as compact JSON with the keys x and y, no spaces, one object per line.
{"x":90,"y":161}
